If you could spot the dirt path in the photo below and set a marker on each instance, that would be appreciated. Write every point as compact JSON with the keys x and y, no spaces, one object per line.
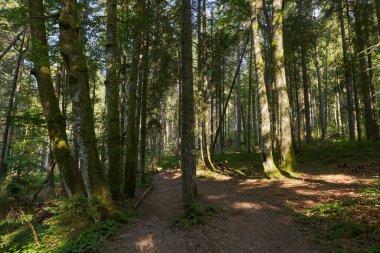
{"x":251,"y":218}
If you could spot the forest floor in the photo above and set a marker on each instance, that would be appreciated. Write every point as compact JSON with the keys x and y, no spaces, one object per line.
{"x":311,"y":211}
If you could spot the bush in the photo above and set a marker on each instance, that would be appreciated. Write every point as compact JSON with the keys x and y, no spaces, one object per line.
{"x":74,"y":209}
{"x":92,"y":238}
{"x":194,"y":214}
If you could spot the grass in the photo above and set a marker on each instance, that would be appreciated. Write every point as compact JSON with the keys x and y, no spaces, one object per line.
{"x":67,"y":225}
{"x":328,"y":152}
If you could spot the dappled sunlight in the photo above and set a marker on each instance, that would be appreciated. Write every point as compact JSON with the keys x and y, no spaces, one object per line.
{"x":248,"y":206}
{"x":168,"y":175}
{"x":216,"y":197}
{"x":145,"y":243}
{"x":340,"y":178}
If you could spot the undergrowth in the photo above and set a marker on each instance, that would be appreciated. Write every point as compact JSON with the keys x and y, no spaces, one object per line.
{"x":349,"y":225}
{"x":68,"y":225}
{"x":194,"y":214}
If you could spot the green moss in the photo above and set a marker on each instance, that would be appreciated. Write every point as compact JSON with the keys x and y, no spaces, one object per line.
{"x":288,"y":163}
{"x":62,"y":144}
{"x":273,"y":174}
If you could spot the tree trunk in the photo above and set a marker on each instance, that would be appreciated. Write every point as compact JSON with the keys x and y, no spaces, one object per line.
{"x":55,"y":121}
{"x":288,"y":162}
{"x":305,"y":81}
{"x":372,"y":88}
{"x":188,"y":116}
{"x":238,"y":104}
{"x":320,"y":96}
{"x":112,"y":104}
{"x":377,"y":3}
{"x":248,"y":139}
{"x":9,"y":111}
{"x":144,"y":94}
{"x":270,"y":169}
{"x":347,"y":75}
{"x":371,"y":127}
{"x":297,"y":106}
{"x":83,"y":115}
{"x":131,"y":141}
{"x":50,"y":165}
{"x":13,"y":43}
{"x":354,"y":78}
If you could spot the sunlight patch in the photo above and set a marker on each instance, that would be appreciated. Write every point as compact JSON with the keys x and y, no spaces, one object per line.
{"x":246,"y":205}
{"x":146,"y":243}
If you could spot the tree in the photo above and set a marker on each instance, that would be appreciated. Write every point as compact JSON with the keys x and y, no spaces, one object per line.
{"x":187,"y":101}
{"x":144,"y":95}
{"x":377,"y":5}
{"x":78,"y":81}
{"x":238,"y":103}
{"x":347,"y":75}
{"x":132,"y":132}
{"x":270,"y":169}
{"x":361,"y":13}
{"x":9,"y":111}
{"x":112,"y":104}
{"x":54,"y":119}
{"x":288,"y":162}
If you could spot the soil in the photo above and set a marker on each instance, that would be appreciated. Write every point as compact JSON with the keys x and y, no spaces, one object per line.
{"x":252,"y":215}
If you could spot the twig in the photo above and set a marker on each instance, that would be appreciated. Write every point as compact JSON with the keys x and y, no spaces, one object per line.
{"x":34,"y":231}
{"x":143,"y":196}
{"x":374,"y":95}
{"x":42,"y":185}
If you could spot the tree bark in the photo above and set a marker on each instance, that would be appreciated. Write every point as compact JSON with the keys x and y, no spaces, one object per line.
{"x":144,"y":95}
{"x":55,"y":121}
{"x":238,"y":104}
{"x":305,"y":81}
{"x":188,"y":116}
{"x":288,"y":161}
{"x":270,"y":169}
{"x":371,"y":127}
{"x":83,"y":114}
{"x":131,"y":141}
{"x":112,"y":104}
{"x":320,"y":96}
{"x":50,"y":165}
{"x":248,"y":139}
{"x":347,"y":75}
{"x":9,"y":111}
{"x":377,"y":4}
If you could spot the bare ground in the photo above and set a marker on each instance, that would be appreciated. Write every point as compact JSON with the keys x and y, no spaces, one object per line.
{"x":251,"y":214}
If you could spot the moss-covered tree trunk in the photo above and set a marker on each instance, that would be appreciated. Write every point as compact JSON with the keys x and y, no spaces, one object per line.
{"x":286,"y":145}
{"x":270,"y":169}
{"x":112,"y":104}
{"x":188,"y":162}
{"x":55,"y":121}
{"x":78,"y":81}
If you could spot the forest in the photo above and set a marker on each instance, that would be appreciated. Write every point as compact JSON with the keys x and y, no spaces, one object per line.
{"x":190,"y":126}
